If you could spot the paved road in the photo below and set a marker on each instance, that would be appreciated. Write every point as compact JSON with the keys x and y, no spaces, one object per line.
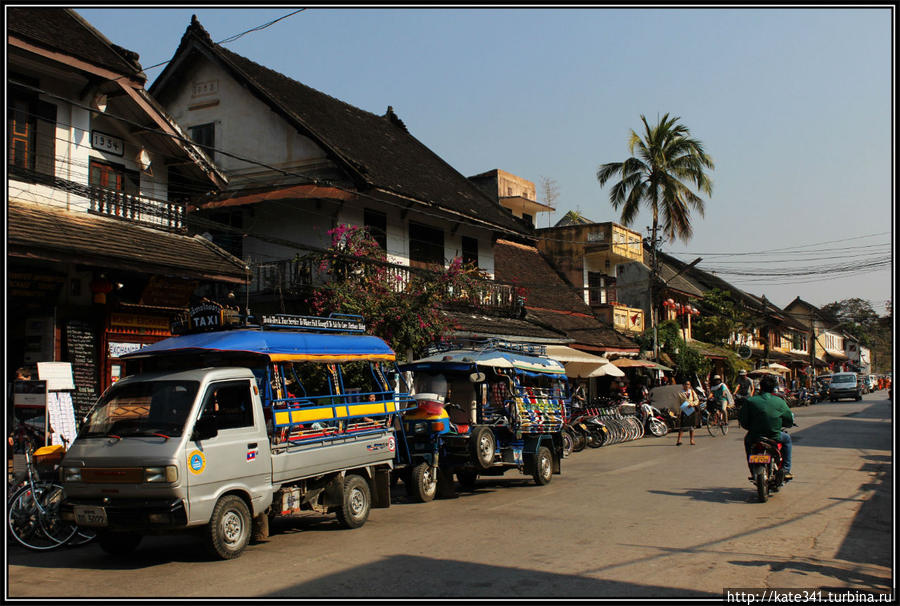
{"x":642,"y":519}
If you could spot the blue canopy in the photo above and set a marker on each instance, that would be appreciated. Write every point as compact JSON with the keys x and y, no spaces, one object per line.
{"x":279,"y":346}
{"x":462,"y":359}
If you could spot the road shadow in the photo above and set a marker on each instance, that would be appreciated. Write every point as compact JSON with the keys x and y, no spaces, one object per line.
{"x":851,"y":578}
{"x":421,"y":578}
{"x":868,"y":539}
{"x":844,"y":433}
{"x":728,"y":494}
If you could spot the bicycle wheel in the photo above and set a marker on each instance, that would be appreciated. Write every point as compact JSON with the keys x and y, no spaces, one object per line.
{"x":34,"y":520}
{"x":723,"y":426}
{"x":710,"y":424}
{"x":82,"y":536}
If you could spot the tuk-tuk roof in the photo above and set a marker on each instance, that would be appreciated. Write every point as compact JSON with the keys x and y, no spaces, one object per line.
{"x":463,"y":359}
{"x":278,"y":346}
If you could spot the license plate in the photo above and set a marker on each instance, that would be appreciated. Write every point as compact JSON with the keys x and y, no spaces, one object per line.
{"x":90,"y":516}
{"x":760,"y":458}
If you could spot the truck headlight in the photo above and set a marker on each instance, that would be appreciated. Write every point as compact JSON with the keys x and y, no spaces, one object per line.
{"x":71,"y":474}
{"x":169,"y":473}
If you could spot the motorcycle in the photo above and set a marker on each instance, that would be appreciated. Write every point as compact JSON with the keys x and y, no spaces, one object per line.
{"x":766,"y":467}
{"x":654,"y":421}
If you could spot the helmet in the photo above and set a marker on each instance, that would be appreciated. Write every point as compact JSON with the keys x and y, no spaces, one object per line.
{"x":742,"y":373}
{"x":716,"y":378}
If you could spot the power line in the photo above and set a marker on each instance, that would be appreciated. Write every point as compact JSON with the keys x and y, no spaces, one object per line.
{"x":232,"y":38}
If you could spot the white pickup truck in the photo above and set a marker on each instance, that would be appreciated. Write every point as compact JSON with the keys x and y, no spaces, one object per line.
{"x":304,"y":422}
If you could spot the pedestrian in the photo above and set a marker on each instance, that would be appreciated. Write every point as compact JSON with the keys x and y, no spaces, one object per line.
{"x":690,"y":412}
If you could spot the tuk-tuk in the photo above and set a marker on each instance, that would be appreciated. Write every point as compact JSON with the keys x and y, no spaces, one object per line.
{"x":483,"y":407}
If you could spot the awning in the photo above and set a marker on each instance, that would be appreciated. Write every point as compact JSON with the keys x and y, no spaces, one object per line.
{"x":764,"y":371}
{"x":632,"y":363}
{"x":778,"y":367}
{"x":578,"y":363}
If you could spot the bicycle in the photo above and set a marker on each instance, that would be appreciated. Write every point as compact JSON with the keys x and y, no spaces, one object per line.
{"x":716,"y":420}
{"x":33,"y":507}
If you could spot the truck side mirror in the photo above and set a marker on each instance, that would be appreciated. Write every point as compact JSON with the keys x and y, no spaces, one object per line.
{"x":205,"y":428}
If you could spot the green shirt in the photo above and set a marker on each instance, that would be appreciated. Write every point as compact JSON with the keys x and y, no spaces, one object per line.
{"x":765,"y":415}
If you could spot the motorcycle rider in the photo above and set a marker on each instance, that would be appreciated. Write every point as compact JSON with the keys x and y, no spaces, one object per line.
{"x":765,"y":415}
{"x":744,"y":387}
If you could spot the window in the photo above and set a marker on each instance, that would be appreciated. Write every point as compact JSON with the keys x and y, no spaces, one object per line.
{"x":205,"y":135}
{"x":359,"y":378}
{"x":231,"y":404}
{"x":113,"y":176}
{"x":31,"y":132}
{"x":470,"y":251}
{"x":529,"y":218}
{"x":601,"y":289}
{"x":376,"y":223}
{"x":426,"y":247}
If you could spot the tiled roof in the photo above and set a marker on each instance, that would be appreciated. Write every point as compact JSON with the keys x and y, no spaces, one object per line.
{"x":377,"y":150}
{"x":480,"y":325}
{"x":550,"y":301}
{"x":39,"y":230}
{"x":64,"y":30}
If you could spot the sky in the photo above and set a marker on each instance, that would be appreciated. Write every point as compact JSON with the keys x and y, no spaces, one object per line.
{"x":795,"y":106}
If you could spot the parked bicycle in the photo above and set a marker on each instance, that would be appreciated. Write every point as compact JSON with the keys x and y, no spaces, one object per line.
{"x":33,"y":503}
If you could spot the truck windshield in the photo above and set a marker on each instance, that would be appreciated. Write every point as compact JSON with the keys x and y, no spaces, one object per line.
{"x":142,"y":408}
{"x":431,"y":383}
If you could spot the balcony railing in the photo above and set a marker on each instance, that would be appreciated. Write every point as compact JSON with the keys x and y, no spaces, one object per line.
{"x":140,"y":209}
{"x":293,"y":276}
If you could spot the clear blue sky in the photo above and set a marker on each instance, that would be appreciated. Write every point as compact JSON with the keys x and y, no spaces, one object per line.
{"x":794,"y":105}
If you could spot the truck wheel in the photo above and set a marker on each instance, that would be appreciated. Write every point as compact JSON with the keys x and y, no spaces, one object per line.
{"x":357,"y":502}
{"x":543,"y":466}
{"x":423,"y":485}
{"x":229,"y":528}
{"x":118,"y":543}
{"x":483,"y":446}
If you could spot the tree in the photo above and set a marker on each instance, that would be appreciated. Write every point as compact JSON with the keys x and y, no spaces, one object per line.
{"x":720,"y":317}
{"x":550,"y":190}
{"x":666,"y":157}
{"x":404,"y":312}
{"x":855,"y":316}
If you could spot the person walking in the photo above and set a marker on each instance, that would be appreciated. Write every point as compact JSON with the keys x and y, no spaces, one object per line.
{"x":690,"y":412}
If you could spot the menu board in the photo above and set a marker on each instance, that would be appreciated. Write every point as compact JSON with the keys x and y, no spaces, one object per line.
{"x":83,"y":356}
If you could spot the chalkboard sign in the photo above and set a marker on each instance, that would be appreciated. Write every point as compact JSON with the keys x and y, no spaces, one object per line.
{"x":83,"y":356}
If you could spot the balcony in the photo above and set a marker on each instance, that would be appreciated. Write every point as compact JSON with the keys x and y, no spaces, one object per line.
{"x":624,"y":319}
{"x":295,"y":276}
{"x":136,"y":208}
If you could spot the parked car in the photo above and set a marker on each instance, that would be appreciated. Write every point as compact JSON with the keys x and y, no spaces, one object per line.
{"x":845,"y":385}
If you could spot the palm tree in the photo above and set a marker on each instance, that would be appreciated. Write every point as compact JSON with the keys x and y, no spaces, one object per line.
{"x":666,"y":157}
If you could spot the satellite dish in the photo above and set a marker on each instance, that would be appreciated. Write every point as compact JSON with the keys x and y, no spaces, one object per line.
{"x":744,"y":351}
